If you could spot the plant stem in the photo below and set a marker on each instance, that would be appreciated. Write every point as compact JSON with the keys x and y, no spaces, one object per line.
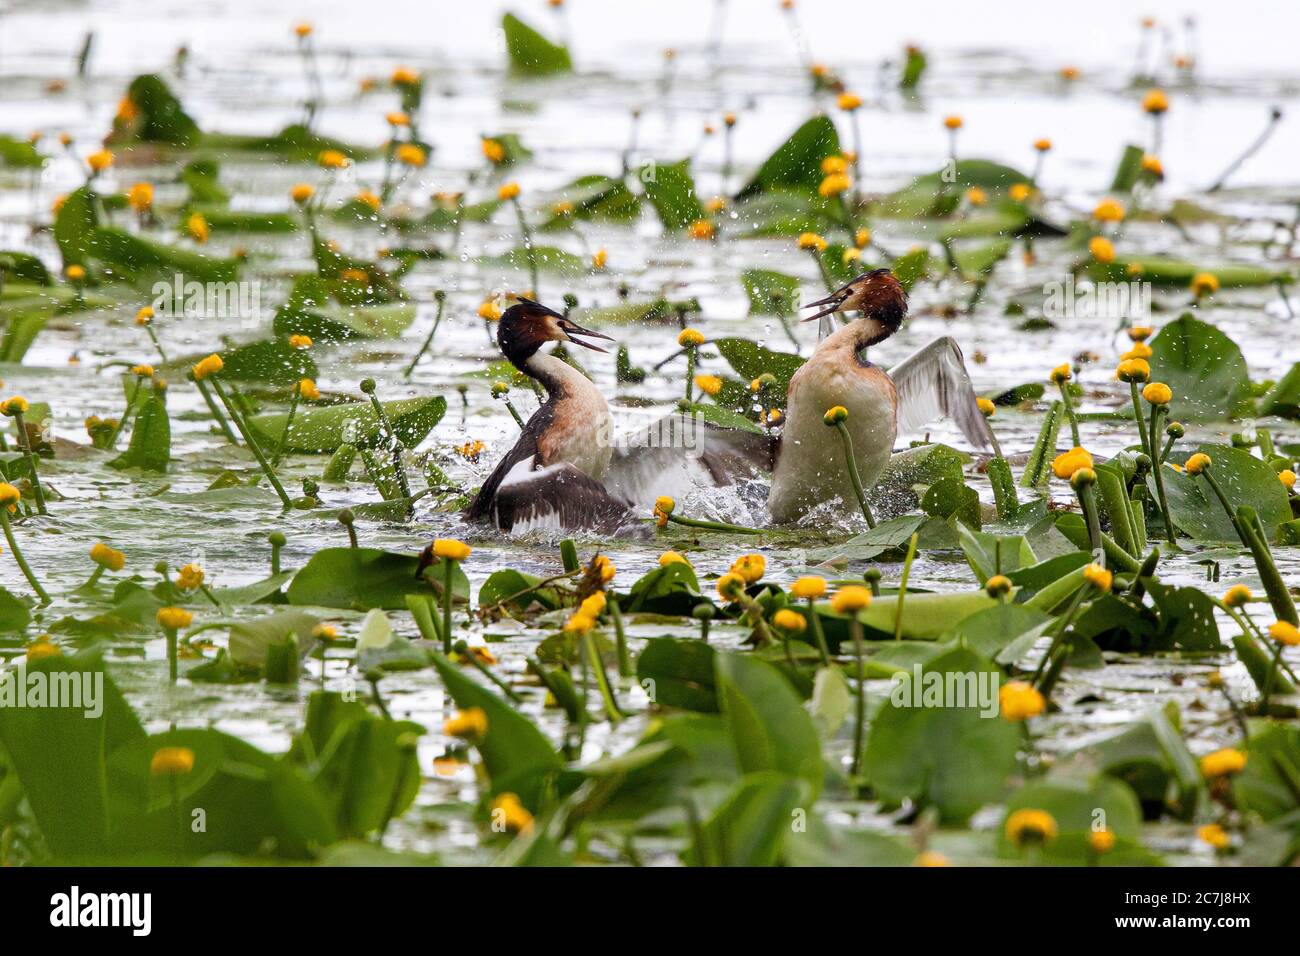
{"x":18,"y":556}
{"x":393,"y":440}
{"x":1137,"y":417}
{"x":1271,"y":679}
{"x":252,"y":445}
{"x":25,"y":443}
{"x":852,"y":465}
{"x":153,"y":336}
{"x":1088,"y":502}
{"x":121,"y":422}
{"x":172,"y":654}
{"x":1069,"y":413}
{"x":447,"y":566}
{"x":625,"y":668}
{"x":514,"y":412}
{"x":528,"y":245}
{"x":441,"y":299}
{"x":284,"y":435}
{"x":1223,"y":500}
{"x":1157,"y":468}
{"x":215,"y":409}
{"x":597,"y":668}
{"x":860,"y":713}
{"x":902,"y":586}
{"x":1062,"y":626}
{"x":713,"y":525}
{"x":818,"y":633}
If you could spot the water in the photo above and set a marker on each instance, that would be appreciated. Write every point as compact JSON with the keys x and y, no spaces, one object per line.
{"x":997,"y":72}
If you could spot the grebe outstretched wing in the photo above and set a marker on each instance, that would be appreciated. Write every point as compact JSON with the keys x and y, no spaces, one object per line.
{"x":933,"y":383}
{"x":680,"y":453}
{"x":556,"y":497}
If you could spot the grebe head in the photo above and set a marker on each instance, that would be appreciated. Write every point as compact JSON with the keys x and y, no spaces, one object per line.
{"x":876,"y":294}
{"x":527,"y":326}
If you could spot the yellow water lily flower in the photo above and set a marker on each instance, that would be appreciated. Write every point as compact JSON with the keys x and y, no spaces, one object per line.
{"x":1099,"y":577}
{"x":1237,"y":596}
{"x":810,"y":587}
{"x":171,"y":762}
{"x":1284,"y":632}
{"x":1227,"y":762}
{"x":108,"y":558}
{"x":174,"y":618}
{"x":468,"y":724}
{"x":1018,"y":701}
{"x":1029,"y":825}
{"x":788,"y":620}
{"x":450,"y":549}
{"x":1067,"y":463}
{"x":850,"y":599}
{"x":208,"y":366}
{"x":750,"y":567}
{"x":1158,"y":393}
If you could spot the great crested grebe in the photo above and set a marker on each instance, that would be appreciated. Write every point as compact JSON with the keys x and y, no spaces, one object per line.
{"x":564,"y":449}
{"x":568,"y":471}
{"x":930,"y":383}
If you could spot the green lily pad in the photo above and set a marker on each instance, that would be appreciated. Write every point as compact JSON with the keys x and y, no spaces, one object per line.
{"x":954,"y":758}
{"x":363,"y":578}
{"x":671,"y":190}
{"x":795,"y":165}
{"x":1245,"y":480}
{"x":531,"y":53}
{"x":1205,"y":369}
{"x":322,"y":430}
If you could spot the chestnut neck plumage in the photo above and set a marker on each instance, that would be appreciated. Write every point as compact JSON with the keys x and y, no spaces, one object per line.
{"x":869,"y":329}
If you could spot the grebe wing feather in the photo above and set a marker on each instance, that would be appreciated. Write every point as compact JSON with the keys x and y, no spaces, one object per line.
{"x":679,"y":453}
{"x":557,"y":497}
{"x":933,"y":383}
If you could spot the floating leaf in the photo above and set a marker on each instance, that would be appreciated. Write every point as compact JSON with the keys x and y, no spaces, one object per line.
{"x":273,"y":361}
{"x":751,"y":825}
{"x":363,"y":578}
{"x":1205,"y":369}
{"x":159,"y":115}
{"x":751,"y":360}
{"x":151,"y":438}
{"x":678,"y":672}
{"x":924,"y":747}
{"x":923,"y":196}
{"x":770,"y":293}
{"x":1245,"y":480}
{"x":531,"y":53}
{"x":515,"y":754}
{"x":671,"y":190}
{"x":670,"y":589}
{"x":770,"y":730}
{"x":322,"y":430}
{"x":795,"y":165}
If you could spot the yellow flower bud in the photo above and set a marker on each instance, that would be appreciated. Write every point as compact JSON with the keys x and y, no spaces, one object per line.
{"x":851,"y":599}
{"x":171,"y":762}
{"x":174,"y":618}
{"x":809,"y":587}
{"x":450,"y":549}
{"x":1158,"y":393}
